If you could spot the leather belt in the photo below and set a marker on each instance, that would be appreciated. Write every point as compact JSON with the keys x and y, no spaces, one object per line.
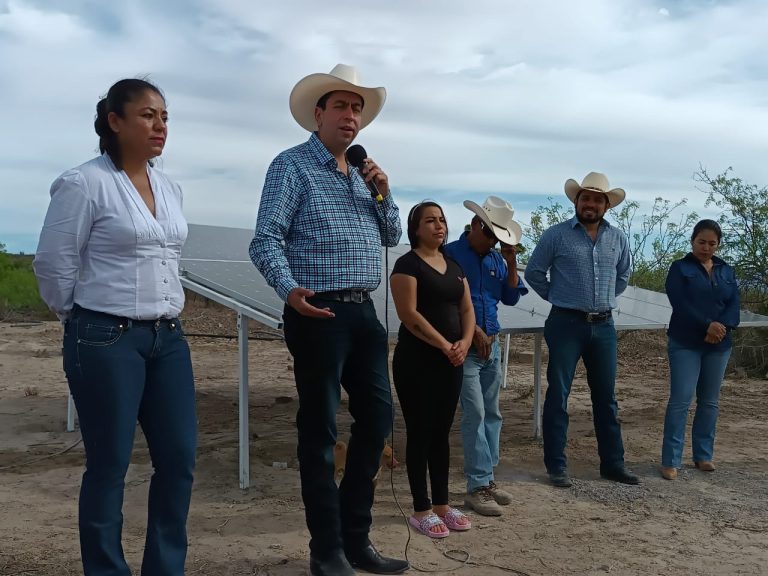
{"x":123,"y":322}
{"x":586,"y":316}
{"x":355,"y":296}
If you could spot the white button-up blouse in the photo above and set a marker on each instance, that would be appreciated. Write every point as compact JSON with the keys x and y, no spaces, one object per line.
{"x":102,"y":249}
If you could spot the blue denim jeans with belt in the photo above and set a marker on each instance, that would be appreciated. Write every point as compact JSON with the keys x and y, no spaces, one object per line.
{"x":121,"y":372}
{"x":570,"y":337}
{"x":480,"y":416}
{"x":692,"y":371}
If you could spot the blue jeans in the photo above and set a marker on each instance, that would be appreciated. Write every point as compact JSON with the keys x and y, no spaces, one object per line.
{"x":570,"y":337}
{"x":692,"y":370}
{"x":349,"y":351}
{"x":120,"y":372}
{"x":480,"y":416}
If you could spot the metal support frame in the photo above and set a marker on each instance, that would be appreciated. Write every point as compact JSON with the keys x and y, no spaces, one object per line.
{"x":537,"y":385}
{"x":243,"y":314}
{"x":70,"y":414}
{"x":242,"y":342}
{"x":231,"y":303}
{"x":505,"y":361}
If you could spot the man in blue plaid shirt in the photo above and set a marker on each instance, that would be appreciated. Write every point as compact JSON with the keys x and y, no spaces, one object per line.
{"x":588,"y":262}
{"x":318,"y":243}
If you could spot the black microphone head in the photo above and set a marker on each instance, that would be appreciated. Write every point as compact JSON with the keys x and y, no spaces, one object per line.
{"x":355,"y":155}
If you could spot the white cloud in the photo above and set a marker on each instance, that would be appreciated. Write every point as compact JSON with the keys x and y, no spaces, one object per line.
{"x":483,"y":97}
{"x":26,"y":23}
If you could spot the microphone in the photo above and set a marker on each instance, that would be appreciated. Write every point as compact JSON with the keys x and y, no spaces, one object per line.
{"x":356,"y":156}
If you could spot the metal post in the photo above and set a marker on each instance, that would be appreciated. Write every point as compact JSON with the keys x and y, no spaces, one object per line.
{"x":70,"y":414}
{"x":537,"y":386}
{"x":242,"y":341}
{"x":505,"y":362}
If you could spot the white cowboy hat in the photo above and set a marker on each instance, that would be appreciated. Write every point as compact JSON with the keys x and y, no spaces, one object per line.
{"x":310,"y":89}
{"x":597,"y":182}
{"x":497,"y":213}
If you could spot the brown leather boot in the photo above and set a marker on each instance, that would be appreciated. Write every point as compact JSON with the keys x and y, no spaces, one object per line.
{"x":668,"y":472}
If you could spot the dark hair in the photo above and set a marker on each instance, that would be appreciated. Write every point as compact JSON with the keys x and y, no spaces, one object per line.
{"x":414,"y":218}
{"x":707,"y":225}
{"x":119,"y":94}
{"x":323,"y":100}
{"x":607,"y":200}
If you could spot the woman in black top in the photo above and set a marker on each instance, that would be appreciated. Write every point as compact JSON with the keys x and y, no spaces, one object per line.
{"x":434,"y":305}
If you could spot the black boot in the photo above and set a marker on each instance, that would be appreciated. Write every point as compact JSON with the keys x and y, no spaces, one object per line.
{"x":336,"y":565}
{"x":369,"y":560}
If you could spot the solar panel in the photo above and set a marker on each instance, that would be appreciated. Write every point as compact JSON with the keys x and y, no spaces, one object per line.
{"x":217,"y":258}
{"x":215,"y":262}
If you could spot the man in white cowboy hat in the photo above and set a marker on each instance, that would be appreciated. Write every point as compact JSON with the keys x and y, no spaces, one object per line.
{"x":492,"y":278}
{"x":588,"y":263}
{"x":318,"y":244}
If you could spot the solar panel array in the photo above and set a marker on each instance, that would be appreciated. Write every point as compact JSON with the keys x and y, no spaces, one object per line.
{"x":217,"y":258}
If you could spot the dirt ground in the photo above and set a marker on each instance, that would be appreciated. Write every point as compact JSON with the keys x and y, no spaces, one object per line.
{"x":703,"y":523}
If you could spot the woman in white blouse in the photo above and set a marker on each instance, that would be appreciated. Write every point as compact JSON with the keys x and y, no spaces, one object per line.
{"x":108,"y":265}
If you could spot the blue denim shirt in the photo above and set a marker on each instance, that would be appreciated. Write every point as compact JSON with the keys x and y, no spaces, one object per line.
{"x":487,"y":278}
{"x":698,"y":300}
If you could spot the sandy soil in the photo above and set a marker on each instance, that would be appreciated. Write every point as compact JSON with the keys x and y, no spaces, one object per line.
{"x":703,"y":523}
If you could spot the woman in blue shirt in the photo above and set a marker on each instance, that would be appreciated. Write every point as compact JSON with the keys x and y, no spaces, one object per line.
{"x":704,"y":296}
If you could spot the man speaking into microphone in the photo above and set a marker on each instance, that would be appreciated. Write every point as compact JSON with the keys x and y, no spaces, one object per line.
{"x":318,"y":243}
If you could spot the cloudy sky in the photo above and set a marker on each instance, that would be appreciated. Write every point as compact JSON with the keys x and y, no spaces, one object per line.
{"x":484,"y":97}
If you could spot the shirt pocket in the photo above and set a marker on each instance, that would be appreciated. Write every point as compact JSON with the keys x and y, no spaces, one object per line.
{"x":691,"y":277}
{"x":491,"y":282}
{"x":727,"y":287}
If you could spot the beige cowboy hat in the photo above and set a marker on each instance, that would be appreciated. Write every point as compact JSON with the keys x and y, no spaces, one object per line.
{"x":310,"y":89}
{"x":597,"y":182}
{"x":497,"y":213}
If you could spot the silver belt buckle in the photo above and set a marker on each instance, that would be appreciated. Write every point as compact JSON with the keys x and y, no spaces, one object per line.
{"x":357,"y":296}
{"x":592,"y":316}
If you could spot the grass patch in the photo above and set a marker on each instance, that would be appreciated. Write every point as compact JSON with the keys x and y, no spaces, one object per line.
{"x":19,"y":296}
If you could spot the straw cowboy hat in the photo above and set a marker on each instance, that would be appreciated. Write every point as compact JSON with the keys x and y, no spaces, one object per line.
{"x":310,"y":89}
{"x":597,"y":182}
{"x":497,"y":213}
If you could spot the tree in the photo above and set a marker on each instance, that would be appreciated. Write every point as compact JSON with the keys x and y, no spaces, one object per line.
{"x":654,"y":243}
{"x":657,"y":241}
{"x":744,"y":220}
{"x":542,"y":218}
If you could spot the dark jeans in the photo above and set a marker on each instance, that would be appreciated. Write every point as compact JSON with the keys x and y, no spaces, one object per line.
{"x":350,"y":350}
{"x":428,"y":389}
{"x":119,"y":373}
{"x":569,"y":338}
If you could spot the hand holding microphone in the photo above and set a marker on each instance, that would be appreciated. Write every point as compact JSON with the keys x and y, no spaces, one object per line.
{"x":374,"y":177}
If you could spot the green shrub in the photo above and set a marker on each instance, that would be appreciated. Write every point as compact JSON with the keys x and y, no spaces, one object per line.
{"x":18,"y":286}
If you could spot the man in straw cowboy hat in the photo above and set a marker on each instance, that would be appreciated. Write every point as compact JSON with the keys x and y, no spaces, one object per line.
{"x":318,"y":244}
{"x":492,"y":278}
{"x":588,"y":263}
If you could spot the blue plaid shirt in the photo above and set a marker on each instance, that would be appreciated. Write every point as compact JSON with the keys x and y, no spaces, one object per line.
{"x":318,"y":228}
{"x":583,"y":275}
